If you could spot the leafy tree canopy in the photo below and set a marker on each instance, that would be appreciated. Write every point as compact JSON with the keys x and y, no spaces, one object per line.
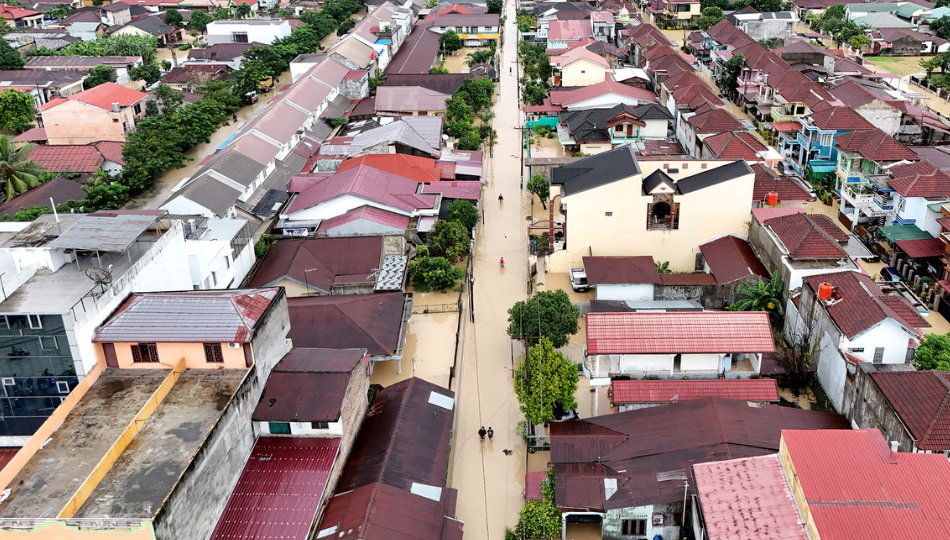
{"x":17,"y":173}
{"x":538,"y":520}
{"x":9,"y":57}
{"x":433,"y":273}
{"x":174,"y":18}
{"x":450,"y":238}
{"x":17,"y":111}
{"x":494,"y":6}
{"x":450,"y":41}
{"x":834,"y":12}
{"x":763,"y":296}
{"x":464,"y":212}
{"x":548,"y":313}
{"x":933,"y":353}
{"x":546,"y":377}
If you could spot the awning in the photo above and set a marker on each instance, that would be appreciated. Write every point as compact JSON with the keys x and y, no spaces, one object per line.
{"x":922,"y":248}
{"x":822,"y":169}
{"x":944,"y":285}
{"x":896,"y":233}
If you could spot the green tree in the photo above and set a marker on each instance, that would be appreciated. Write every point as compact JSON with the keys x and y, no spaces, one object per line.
{"x":243,"y":10}
{"x":9,"y":57}
{"x":115,"y":45}
{"x":767,"y":43}
{"x":17,"y":111}
{"x":464,"y":212}
{"x":345,"y":27}
{"x":174,"y":18}
{"x":526,"y":21}
{"x":941,"y":27}
{"x":933,"y":353}
{"x":150,"y":73}
{"x":479,"y":56}
{"x":59,"y":11}
{"x":540,"y":187}
{"x":547,"y":313}
{"x":102,"y":193}
{"x":17,"y":172}
{"x":834,"y":12}
{"x":763,"y":296}
{"x":99,"y":75}
{"x":859,"y":42}
{"x":546,"y":377}
{"x":450,"y":41}
{"x":796,"y":357}
{"x":730,"y":76}
{"x":476,"y":92}
{"x":433,"y":273}
{"x":765,"y":6}
{"x":199,"y":21}
{"x":450,"y":238}
{"x":710,"y":17}
{"x":538,"y":520}
{"x":494,"y":6}
{"x":721,"y":4}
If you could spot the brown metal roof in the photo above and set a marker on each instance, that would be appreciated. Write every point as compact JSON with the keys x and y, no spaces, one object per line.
{"x":372,"y":321}
{"x":653,"y":448}
{"x":381,"y":512}
{"x":321,"y":262}
{"x":621,"y":270}
{"x":731,"y":258}
{"x":404,"y":439}
{"x":308,"y":385}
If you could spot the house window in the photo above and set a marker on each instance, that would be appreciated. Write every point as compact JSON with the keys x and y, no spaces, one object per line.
{"x":878,"y":355}
{"x":826,"y":139}
{"x":213,"y":353}
{"x":138,"y":108}
{"x":662,"y":214}
{"x":144,"y":352}
{"x":279,"y":428}
{"x":35,"y":322}
{"x":608,"y":214}
{"x":62,"y":387}
{"x":48,"y":343}
{"x":633,"y":527}
{"x":239,"y":37}
{"x":227,"y":262}
{"x":319,"y":425}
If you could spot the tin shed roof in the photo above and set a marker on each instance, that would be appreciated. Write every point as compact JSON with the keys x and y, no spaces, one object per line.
{"x":671,"y":391}
{"x":679,"y":332}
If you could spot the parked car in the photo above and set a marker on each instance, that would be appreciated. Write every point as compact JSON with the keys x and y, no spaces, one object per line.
{"x":889,"y":273}
{"x":579,"y":280}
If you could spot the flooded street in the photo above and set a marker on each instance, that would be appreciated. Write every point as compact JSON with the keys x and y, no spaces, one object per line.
{"x":491,"y":484}
{"x":162,"y":189}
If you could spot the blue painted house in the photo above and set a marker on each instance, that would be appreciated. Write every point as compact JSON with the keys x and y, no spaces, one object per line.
{"x":812,"y":147}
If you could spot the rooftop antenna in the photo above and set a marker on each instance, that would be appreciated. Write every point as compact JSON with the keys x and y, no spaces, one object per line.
{"x":100,"y":276}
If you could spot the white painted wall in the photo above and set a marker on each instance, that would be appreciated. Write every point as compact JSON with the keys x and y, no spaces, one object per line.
{"x":345,"y":203}
{"x":223,"y":31}
{"x":643,"y":291}
{"x":887,"y":334}
{"x":646,"y":362}
{"x":654,"y":129}
{"x":302,"y":428}
{"x":700,"y":362}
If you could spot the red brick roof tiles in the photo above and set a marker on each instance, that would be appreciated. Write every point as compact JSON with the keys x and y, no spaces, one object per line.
{"x":734,"y":146}
{"x":679,"y":332}
{"x":78,"y":158}
{"x":919,"y":179}
{"x":920,"y":399}
{"x":767,"y":181}
{"x":105,"y":94}
{"x":875,"y":145}
{"x":857,"y":489}
{"x":862,"y":305}
{"x":675,"y":391}
{"x":803,"y":238}
{"x":841,"y":119}
{"x":731,"y":258}
{"x":715,"y":121}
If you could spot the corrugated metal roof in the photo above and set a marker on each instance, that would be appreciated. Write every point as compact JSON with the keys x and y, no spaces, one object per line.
{"x":373,"y":321}
{"x":621,"y":270}
{"x":95,"y":233}
{"x":920,"y":398}
{"x":409,"y":99}
{"x":857,"y":489}
{"x":731,"y":258}
{"x":675,"y":391}
{"x":675,"y":333}
{"x":188,"y":317}
{"x":279,"y":491}
{"x":748,"y":499}
{"x":319,"y":263}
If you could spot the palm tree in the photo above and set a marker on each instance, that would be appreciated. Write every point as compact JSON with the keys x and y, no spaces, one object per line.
{"x":18,"y":173}
{"x":480,"y":56}
{"x":763,"y":296}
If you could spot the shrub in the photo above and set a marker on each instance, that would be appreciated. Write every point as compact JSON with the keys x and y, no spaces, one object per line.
{"x":434,"y":273}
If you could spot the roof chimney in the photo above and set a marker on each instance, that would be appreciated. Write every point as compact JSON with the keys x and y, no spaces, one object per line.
{"x":115,"y":106}
{"x":894,"y":446}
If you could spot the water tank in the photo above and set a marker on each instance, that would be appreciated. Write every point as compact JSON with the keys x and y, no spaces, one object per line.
{"x":771,"y":199}
{"x":825,"y":290}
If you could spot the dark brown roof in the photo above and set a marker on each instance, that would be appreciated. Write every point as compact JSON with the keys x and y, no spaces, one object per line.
{"x":767,"y":181}
{"x":731,"y":258}
{"x":621,"y":270}
{"x":372,"y":321}
{"x":808,"y":236}
{"x":403,"y":440}
{"x":321,"y":263}
{"x":60,"y":189}
{"x":696,"y":278}
{"x":447,"y":83}
{"x":875,"y":145}
{"x":656,"y":446}
{"x":920,"y":399}
{"x":308,"y":385}
{"x":418,"y":52}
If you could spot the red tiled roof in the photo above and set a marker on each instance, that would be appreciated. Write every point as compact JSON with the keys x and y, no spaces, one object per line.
{"x":857,"y":489}
{"x":731,"y":258}
{"x":764,"y":214}
{"x":804,"y":238}
{"x":767,"y":181}
{"x":785,"y":127}
{"x":420,"y":169}
{"x":675,"y":391}
{"x":369,"y":213}
{"x":715,"y":121}
{"x":321,"y":262}
{"x":532,"y":485}
{"x":279,"y":491}
{"x":748,"y":499}
{"x":920,"y":399}
{"x":370,"y":321}
{"x":366,"y":183}
{"x":566,"y":98}
{"x":12,"y":13}
{"x":33,"y":134}
{"x":919,"y":179}
{"x":112,"y":151}
{"x":59,"y":189}
{"x":621,"y":270}
{"x":569,"y":30}
{"x":875,"y":145}
{"x":734,"y":146}
{"x":455,"y":189}
{"x":679,"y":332}
{"x":105,"y":94}
{"x":922,"y":247}
{"x":78,"y":158}
{"x":841,"y":119}
{"x":862,"y":304}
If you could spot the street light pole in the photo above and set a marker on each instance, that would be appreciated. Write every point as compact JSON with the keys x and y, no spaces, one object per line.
{"x":306,"y":280}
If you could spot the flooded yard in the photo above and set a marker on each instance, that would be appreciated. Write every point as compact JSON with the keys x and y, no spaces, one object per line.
{"x":455,"y":62}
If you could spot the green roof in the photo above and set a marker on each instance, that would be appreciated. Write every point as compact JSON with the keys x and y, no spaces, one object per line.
{"x":872,"y":8}
{"x":935,"y":207}
{"x":882,"y":20}
{"x":896,"y":233}
{"x":909,"y":9}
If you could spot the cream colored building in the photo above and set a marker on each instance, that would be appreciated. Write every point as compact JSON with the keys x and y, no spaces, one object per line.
{"x":615,"y":206}
{"x":579,"y":67}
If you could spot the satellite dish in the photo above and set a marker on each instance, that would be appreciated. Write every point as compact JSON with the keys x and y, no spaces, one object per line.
{"x":100,"y":276}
